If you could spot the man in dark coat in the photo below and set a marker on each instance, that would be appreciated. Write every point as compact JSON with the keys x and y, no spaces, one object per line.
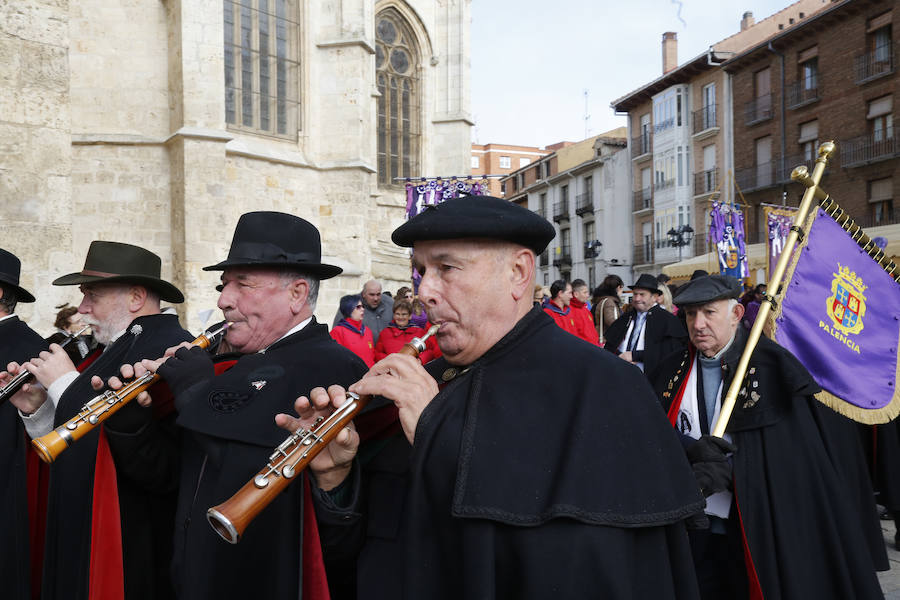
{"x":647,"y":334}
{"x":18,"y":343}
{"x":379,"y":308}
{"x":111,"y":494}
{"x":782,"y":524}
{"x":269,"y":286}
{"x":532,"y":464}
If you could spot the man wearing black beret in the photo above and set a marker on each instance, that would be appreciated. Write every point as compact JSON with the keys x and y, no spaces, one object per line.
{"x":112,"y":494}
{"x":648,"y":333}
{"x":18,"y":342}
{"x":780,"y":515}
{"x":531,"y":464}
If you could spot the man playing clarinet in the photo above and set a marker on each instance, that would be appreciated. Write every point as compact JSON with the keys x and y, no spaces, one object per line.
{"x":531,"y":463}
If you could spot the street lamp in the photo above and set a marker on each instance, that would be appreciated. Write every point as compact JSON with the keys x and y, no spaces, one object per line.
{"x":680,"y":237}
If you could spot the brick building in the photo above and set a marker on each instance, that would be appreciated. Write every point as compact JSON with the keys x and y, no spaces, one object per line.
{"x":831,"y":77}
{"x":502,"y":159}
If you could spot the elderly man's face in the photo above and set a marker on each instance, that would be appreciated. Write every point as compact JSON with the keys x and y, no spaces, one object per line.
{"x":105,"y":309}
{"x":372,"y":295}
{"x":642,"y":300}
{"x":712,"y":325}
{"x":258,"y":303}
{"x":466,"y":290}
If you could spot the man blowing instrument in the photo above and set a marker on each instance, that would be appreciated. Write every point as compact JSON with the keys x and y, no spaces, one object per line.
{"x":111,"y":496}
{"x":226,"y":408}
{"x":18,"y":342}
{"x":531,"y":464}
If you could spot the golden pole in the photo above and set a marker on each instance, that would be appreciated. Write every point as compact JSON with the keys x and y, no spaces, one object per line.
{"x":813,"y":192}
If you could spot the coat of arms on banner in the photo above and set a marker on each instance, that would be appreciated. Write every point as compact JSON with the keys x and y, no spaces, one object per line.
{"x":847,"y":305}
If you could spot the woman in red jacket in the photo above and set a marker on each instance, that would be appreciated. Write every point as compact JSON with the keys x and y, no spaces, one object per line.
{"x":399,"y":332}
{"x":350,"y":331}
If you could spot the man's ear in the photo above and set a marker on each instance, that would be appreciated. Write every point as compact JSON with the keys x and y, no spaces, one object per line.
{"x":522,"y":273}
{"x":299,"y":292}
{"x":137,"y":298}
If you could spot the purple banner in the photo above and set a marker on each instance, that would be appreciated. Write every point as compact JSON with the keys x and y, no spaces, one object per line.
{"x":779,"y":220}
{"x":428,"y":192}
{"x":726,"y":232}
{"x":840,"y":316}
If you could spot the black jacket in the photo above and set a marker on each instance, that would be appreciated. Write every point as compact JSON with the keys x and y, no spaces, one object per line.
{"x":18,"y":343}
{"x":663,"y":335}
{"x":790,"y":484}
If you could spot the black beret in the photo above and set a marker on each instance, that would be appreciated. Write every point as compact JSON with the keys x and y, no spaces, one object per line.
{"x":708,"y":288}
{"x":477,"y":217}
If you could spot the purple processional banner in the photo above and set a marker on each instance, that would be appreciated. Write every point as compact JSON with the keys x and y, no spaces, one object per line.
{"x":778,"y":220}
{"x":726,"y":232}
{"x":428,"y":192}
{"x":840,"y":316}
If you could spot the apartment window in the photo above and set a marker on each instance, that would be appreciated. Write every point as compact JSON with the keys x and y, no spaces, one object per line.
{"x":809,"y":74}
{"x":565,"y":236}
{"x":524,"y":162}
{"x":590,"y":234}
{"x":564,"y":196}
{"x":505,"y":162}
{"x":475,"y":162}
{"x":261,"y":50}
{"x":708,"y":115}
{"x":879,"y":38}
{"x":503,"y":189}
{"x":547,"y":169}
{"x":881,"y":194}
{"x":589,"y":186}
{"x":522,"y":180}
{"x":809,"y":140}
{"x":396,"y":67}
{"x":543,"y":204}
{"x":537,"y":172}
{"x":881,"y":119}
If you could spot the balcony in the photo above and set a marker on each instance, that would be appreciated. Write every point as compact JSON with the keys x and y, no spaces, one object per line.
{"x":643,"y":199}
{"x":563,"y":257}
{"x":758,"y":110}
{"x":643,"y":254}
{"x":584,"y":203}
{"x":757,"y":177}
{"x":705,"y":182}
{"x":705,"y":118}
{"x":803,"y":92}
{"x":875,"y":64}
{"x":545,"y":258}
{"x":642,"y":145}
{"x":868,"y":149}
{"x":561,"y":211}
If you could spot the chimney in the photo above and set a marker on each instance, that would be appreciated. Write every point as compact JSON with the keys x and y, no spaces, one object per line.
{"x":747,"y":21}
{"x":669,"y":51}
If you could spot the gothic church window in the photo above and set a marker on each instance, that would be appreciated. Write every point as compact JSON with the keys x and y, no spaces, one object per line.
{"x":397,"y":77}
{"x":261,"y":66}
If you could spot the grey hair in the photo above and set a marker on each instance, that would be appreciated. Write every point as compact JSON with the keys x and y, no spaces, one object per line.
{"x":312,"y":283}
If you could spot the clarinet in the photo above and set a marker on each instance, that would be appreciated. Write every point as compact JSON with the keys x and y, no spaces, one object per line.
{"x":16,"y":383}
{"x":232,"y":517}
{"x":102,"y":407}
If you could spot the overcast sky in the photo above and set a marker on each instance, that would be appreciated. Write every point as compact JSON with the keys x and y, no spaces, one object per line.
{"x":532,"y":60}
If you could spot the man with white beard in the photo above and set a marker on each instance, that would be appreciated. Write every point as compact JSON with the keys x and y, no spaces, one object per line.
{"x":112,"y":495}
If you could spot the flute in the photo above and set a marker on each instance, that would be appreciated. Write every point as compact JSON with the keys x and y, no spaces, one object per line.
{"x":15,"y":384}
{"x":102,"y":407}
{"x":232,"y":517}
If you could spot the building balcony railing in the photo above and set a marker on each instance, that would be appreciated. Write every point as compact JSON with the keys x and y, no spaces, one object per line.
{"x":867,"y":149}
{"x":545,"y":258}
{"x":643,"y":254}
{"x":643,"y":199}
{"x":584,"y":203}
{"x":662,"y":184}
{"x":705,"y":118}
{"x":876,"y":63}
{"x":642,"y":144}
{"x":758,"y":110}
{"x":803,"y":92}
{"x":563,"y":256}
{"x":705,"y":182}
{"x":560,"y":211}
{"x":771,"y":173}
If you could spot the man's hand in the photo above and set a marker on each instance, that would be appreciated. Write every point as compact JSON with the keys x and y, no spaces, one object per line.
{"x":626,"y":356}
{"x":403,"y":380}
{"x":128,"y":372}
{"x":31,"y":395}
{"x":50,"y":366}
{"x":332,"y":465}
{"x":710,"y":464}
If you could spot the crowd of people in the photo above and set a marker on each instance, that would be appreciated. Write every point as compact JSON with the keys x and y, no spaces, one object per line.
{"x":552,"y":445}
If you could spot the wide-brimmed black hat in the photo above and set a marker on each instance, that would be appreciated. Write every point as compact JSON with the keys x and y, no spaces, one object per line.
{"x":275,"y":239}
{"x":646,"y":282}
{"x":10,"y":268}
{"x":115,"y":262}
{"x":708,"y":288}
{"x":477,"y":217}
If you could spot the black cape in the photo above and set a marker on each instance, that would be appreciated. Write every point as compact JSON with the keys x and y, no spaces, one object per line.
{"x":664,"y":334}
{"x":801,"y":525}
{"x":229,"y":435}
{"x":18,"y":343}
{"x":145,"y":459}
{"x":544,"y":470}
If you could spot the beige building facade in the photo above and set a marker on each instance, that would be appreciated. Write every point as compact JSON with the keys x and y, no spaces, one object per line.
{"x":159,"y":123}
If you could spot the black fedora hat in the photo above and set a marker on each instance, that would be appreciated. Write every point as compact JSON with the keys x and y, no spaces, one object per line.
{"x":646,"y":282}
{"x":112,"y":262}
{"x":276,"y":239}
{"x":10,"y":268}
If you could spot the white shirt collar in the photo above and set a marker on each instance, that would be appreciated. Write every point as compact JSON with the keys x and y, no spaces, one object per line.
{"x":6,"y":317}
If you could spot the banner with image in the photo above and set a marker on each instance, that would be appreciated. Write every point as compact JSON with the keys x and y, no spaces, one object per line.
{"x":778,"y":226}
{"x":726,"y":233}
{"x":428,"y":192}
